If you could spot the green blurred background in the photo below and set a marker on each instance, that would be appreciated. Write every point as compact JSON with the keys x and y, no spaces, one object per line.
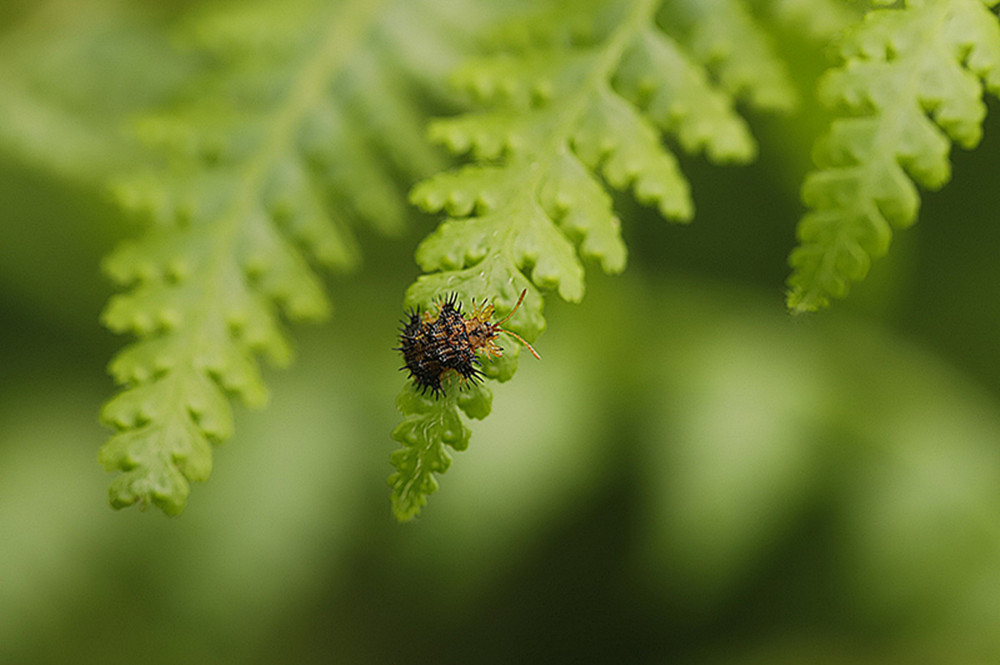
{"x":690,"y":475}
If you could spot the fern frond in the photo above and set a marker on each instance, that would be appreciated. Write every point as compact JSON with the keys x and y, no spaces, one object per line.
{"x":911,"y":84}
{"x":261,"y":174}
{"x":581,"y":96}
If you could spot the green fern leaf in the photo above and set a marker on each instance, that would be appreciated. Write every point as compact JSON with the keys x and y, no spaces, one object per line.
{"x":910,"y":85}
{"x":579,"y":97}
{"x":260,"y":174}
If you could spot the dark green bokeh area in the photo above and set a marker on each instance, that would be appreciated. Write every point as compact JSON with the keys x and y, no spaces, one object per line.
{"x":689,"y":475}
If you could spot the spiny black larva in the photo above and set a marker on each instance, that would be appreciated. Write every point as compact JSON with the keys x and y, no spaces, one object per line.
{"x":448,"y":341}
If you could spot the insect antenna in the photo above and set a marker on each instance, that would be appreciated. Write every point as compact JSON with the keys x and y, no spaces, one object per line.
{"x":514,"y":334}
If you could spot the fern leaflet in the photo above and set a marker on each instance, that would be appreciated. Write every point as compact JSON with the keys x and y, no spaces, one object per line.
{"x":723,"y":35}
{"x":911,"y":83}
{"x":575,"y":94}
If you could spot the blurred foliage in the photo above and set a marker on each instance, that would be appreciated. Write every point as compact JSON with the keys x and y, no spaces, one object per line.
{"x":689,"y":475}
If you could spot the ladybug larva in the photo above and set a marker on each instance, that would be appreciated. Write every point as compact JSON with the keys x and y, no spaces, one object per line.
{"x":434,"y":344}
